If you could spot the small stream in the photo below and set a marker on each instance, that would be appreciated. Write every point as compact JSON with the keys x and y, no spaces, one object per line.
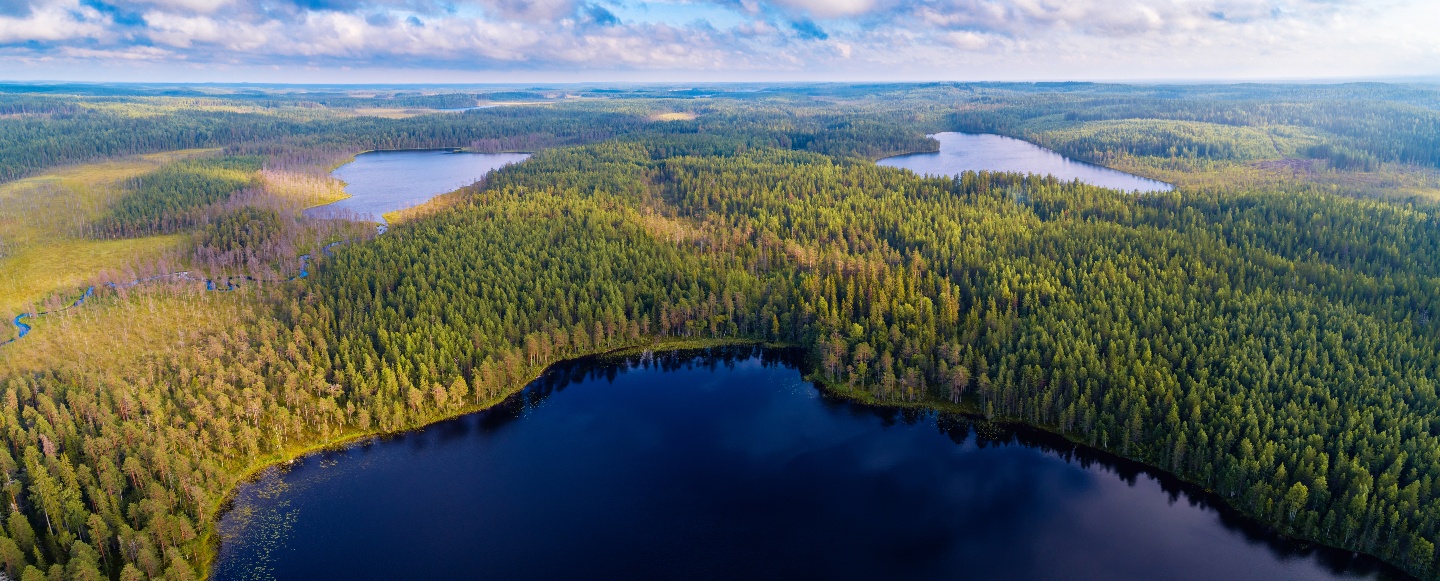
{"x":378,"y":182}
{"x":24,"y":329}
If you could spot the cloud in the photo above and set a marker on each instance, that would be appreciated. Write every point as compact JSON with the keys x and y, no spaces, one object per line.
{"x":829,"y":8}
{"x":873,"y":38}
{"x":200,"y":6}
{"x":186,"y":31}
{"x":56,"y":21}
{"x":134,"y":53}
{"x":967,"y":40}
{"x":530,"y":10}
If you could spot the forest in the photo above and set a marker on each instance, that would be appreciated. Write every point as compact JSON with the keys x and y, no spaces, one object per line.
{"x":1267,"y":334}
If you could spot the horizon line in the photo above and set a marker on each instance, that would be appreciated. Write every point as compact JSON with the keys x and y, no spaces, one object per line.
{"x":1389,"y":79}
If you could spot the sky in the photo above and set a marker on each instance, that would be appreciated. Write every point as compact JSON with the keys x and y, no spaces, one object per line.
{"x":506,"y":41}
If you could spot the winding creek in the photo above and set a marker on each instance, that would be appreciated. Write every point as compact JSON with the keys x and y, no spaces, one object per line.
{"x":727,"y":464}
{"x":960,"y":152}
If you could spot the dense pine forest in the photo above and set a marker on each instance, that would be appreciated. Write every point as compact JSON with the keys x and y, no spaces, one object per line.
{"x":1268,"y":331}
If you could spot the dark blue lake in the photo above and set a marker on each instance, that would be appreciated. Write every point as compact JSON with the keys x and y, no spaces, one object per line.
{"x":961,"y":152}
{"x":385,"y":181}
{"x":728,"y":465}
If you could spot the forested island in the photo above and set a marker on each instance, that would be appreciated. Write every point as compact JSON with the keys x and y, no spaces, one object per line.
{"x":1264,"y":331}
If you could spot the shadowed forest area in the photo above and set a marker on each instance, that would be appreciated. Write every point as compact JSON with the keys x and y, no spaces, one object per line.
{"x":1267,"y":331}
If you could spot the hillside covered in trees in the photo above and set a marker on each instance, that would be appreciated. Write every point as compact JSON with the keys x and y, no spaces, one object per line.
{"x":1276,"y":344}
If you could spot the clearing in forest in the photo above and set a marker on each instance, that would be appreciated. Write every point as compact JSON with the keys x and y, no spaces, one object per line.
{"x":45,"y":227}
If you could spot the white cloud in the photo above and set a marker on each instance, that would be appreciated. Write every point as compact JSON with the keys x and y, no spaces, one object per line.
{"x":54,"y":21}
{"x":183,"y":31}
{"x":878,"y":38}
{"x":134,"y":53}
{"x":830,"y":8}
{"x":197,"y":6}
{"x":529,"y":10}
{"x":967,"y":40}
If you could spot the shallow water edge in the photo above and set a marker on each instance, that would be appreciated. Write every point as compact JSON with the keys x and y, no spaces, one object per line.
{"x":957,"y":417}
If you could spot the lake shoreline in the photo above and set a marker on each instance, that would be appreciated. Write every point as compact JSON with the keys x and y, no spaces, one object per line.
{"x":959,"y":152}
{"x":1062,"y":444}
{"x":210,"y":538}
{"x":379,"y":182}
{"x":1195,"y":491}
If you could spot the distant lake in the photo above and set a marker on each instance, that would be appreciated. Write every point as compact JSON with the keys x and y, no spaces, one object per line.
{"x":488,"y":106}
{"x":729,"y":465}
{"x":471,"y":108}
{"x":961,"y":152}
{"x":385,"y":181}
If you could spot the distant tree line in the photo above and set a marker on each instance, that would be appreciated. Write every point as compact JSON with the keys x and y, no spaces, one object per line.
{"x":1351,"y":126}
{"x":1276,"y":347}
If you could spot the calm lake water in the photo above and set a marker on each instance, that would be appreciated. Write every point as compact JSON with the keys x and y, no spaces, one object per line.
{"x":960,"y":152}
{"x":729,"y":465}
{"x":385,"y":181}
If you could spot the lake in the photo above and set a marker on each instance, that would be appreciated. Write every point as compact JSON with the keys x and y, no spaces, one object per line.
{"x":488,"y":106}
{"x":727,"y":464}
{"x":385,"y":181}
{"x":961,"y":152}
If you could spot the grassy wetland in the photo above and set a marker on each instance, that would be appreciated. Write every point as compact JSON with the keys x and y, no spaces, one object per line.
{"x":1267,"y":332}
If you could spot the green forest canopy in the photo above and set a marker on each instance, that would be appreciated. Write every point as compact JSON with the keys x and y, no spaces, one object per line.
{"x":1275,"y":346}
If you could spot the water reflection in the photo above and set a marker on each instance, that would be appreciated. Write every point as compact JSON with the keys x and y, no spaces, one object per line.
{"x":726,"y":464}
{"x":961,"y":152}
{"x":385,"y":181}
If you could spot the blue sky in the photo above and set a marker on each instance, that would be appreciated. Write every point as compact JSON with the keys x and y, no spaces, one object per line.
{"x":715,"y":40}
